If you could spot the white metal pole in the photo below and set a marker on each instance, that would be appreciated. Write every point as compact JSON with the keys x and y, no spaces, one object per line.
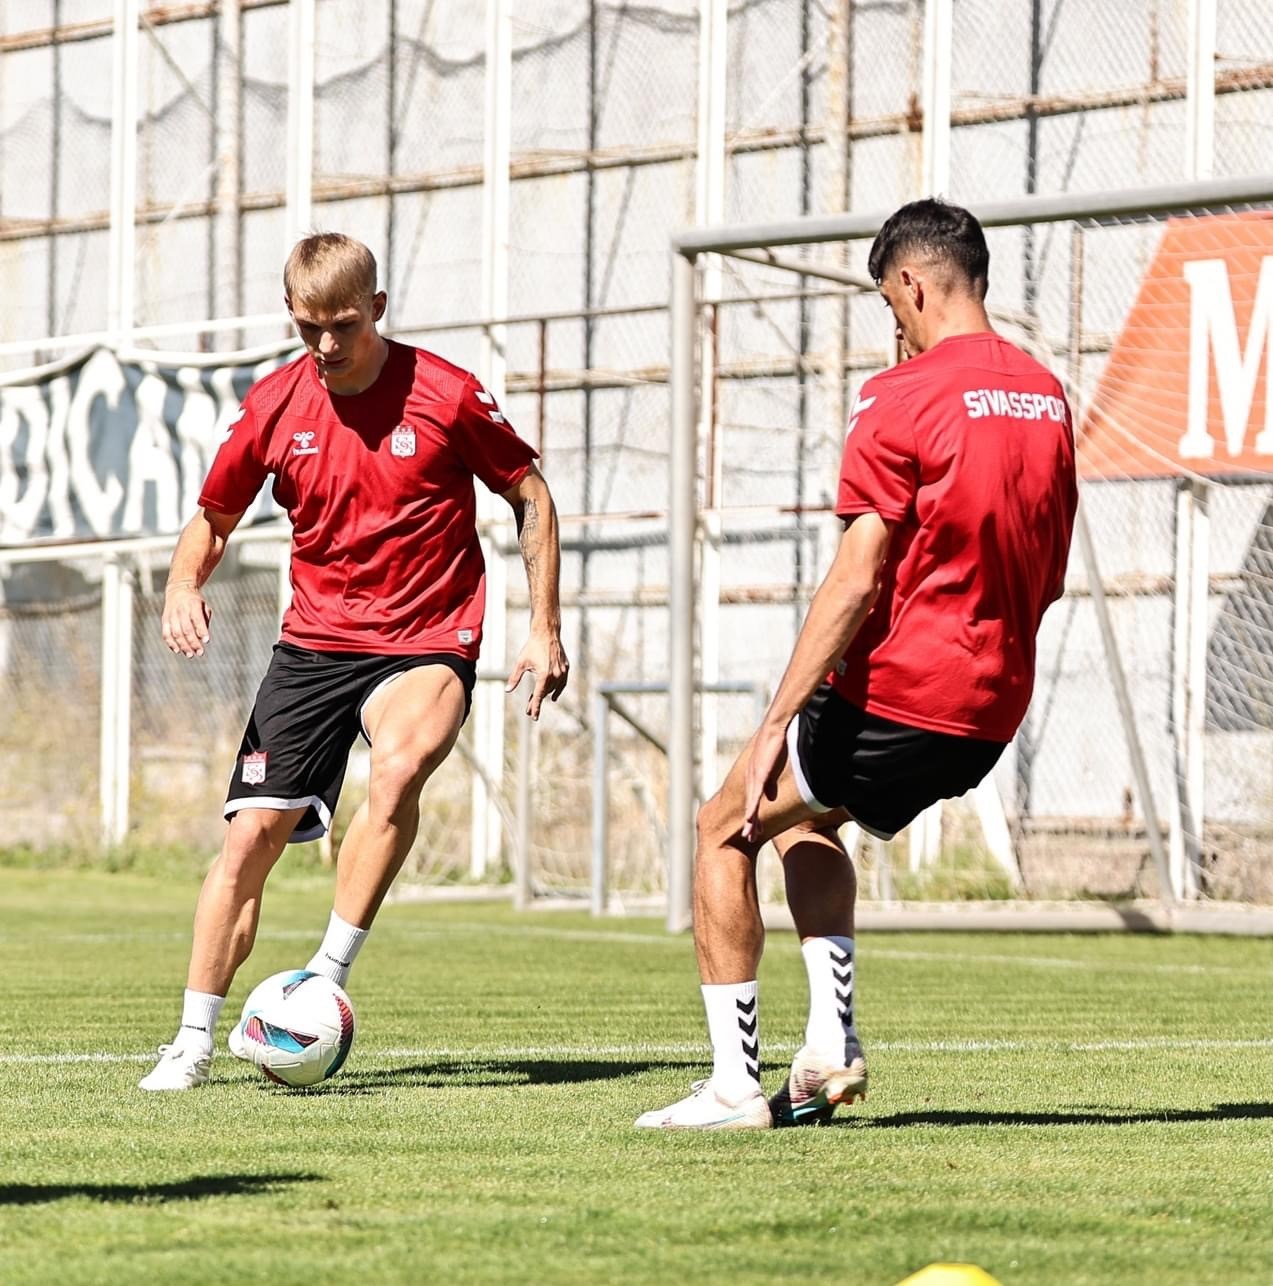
{"x":116,"y":696}
{"x":123,"y":682}
{"x":681,"y":520}
{"x":489,"y":701}
{"x":600,"y":800}
{"x":527,"y":741}
{"x":496,"y":189}
{"x":935,"y":151}
{"x":106,"y":763}
{"x":710,"y":210}
{"x":227,"y":289}
{"x":300,"y":119}
{"x":1199,"y":624}
{"x":122,"y":252}
{"x":1189,"y":685}
{"x":1200,"y":90}
{"x":1190,"y":591}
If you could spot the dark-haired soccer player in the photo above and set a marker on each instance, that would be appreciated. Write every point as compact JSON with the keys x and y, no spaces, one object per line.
{"x":914,"y":666}
{"x":373,"y":447}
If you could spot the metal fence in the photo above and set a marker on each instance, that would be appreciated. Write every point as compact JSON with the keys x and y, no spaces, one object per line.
{"x":518,"y":169}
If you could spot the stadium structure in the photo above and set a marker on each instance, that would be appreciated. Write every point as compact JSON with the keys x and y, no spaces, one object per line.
{"x":645,"y":227}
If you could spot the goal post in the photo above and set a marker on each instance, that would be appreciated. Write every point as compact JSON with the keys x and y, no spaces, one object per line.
{"x":1173,"y":591}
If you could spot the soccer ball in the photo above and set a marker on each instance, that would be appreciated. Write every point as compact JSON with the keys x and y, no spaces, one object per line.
{"x":297,"y":1027}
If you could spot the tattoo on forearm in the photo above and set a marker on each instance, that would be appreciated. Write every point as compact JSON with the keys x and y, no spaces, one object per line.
{"x":528,"y":533}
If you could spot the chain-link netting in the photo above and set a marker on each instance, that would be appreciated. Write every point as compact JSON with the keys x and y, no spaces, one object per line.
{"x":50,"y":678}
{"x":823,"y":110}
{"x":1160,"y":329}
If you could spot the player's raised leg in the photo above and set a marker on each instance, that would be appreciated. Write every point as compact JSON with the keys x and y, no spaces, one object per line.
{"x":729,"y":938}
{"x":412,"y":723}
{"x":225,"y":923}
{"x":830,"y":1067}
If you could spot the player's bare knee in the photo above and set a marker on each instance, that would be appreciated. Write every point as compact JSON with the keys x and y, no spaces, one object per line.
{"x":257,"y":830}
{"x":398,"y":774}
{"x":252,"y":846}
{"x":716,"y":824}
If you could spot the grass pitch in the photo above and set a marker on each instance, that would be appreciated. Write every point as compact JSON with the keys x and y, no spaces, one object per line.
{"x":1055,"y":1109}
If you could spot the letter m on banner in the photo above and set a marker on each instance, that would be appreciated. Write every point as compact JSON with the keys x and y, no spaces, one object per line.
{"x":1213,"y":343}
{"x":1186,"y":387}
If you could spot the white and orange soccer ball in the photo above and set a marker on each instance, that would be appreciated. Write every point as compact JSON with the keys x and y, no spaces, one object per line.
{"x":297,"y":1027}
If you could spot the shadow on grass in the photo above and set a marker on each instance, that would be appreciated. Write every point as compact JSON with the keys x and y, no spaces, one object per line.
{"x":493,"y":1072}
{"x":198,"y":1188}
{"x":1094,"y":1116}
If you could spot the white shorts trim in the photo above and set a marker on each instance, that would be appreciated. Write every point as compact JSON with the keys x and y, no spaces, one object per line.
{"x":298,"y":836}
{"x":797,"y":771}
{"x":384,"y":683}
{"x":806,"y":791}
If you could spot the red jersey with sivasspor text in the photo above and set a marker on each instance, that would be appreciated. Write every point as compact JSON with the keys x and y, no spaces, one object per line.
{"x":379,"y":488}
{"x":969,"y":449}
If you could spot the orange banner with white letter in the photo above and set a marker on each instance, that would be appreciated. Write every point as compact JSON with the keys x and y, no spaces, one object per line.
{"x":1186,"y":387}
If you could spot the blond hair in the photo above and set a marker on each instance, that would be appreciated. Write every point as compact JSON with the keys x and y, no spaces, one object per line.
{"x":329,"y":270}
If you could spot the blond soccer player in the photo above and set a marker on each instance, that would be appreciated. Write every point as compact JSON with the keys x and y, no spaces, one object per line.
{"x":372,"y":447}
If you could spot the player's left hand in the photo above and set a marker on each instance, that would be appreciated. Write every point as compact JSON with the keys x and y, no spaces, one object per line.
{"x":765,"y":762}
{"x":545,"y":658}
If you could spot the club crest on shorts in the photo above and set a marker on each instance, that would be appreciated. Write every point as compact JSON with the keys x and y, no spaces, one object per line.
{"x":402,"y":442}
{"x":254,"y":768}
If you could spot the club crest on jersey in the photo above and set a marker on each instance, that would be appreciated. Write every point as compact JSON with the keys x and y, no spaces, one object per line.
{"x":254,"y":768}
{"x":403,"y":440}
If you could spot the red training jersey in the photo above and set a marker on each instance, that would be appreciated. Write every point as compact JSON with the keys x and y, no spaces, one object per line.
{"x":969,"y":449}
{"x":379,"y":488}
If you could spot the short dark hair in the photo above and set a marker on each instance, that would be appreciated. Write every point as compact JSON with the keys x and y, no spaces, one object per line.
{"x":937,"y":230}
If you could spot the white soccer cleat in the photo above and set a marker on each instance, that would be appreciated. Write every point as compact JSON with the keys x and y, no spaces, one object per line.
{"x":705,"y":1110}
{"x":178,"y":1068}
{"x":817,"y":1084}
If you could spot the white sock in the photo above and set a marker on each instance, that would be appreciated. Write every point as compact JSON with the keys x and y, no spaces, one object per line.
{"x":829,"y":964}
{"x":199,"y":1014}
{"x":733,"y":1023}
{"x":340,"y":947}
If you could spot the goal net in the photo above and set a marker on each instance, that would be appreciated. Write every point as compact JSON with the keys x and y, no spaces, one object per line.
{"x":1141,"y":781}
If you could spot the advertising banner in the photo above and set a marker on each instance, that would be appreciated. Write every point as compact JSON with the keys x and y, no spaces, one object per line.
{"x":111,"y":444}
{"x":1186,"y":387}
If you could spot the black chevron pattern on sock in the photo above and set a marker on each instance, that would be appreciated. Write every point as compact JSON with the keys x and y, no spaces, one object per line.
{"x":842,"y":972}
{"x":748,"y":1021}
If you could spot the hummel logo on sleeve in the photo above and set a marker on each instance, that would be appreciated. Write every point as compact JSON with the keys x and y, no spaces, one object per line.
{"x":228,"y":431}
{"x":860,"y":404}
{"x":492,"y":411}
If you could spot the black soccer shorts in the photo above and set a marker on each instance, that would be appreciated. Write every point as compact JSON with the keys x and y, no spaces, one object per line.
{"x":307,"y":713}
{"x":884,"y":773}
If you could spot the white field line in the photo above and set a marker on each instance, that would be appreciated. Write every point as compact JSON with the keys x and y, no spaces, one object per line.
{"x":870,"y":951}
{"x":1062,"y":962}
{"x":699,"y":1049}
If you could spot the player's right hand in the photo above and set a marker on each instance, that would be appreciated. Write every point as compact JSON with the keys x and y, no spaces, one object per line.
{"x":185,"y":621}
{"x":766,"y":758}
